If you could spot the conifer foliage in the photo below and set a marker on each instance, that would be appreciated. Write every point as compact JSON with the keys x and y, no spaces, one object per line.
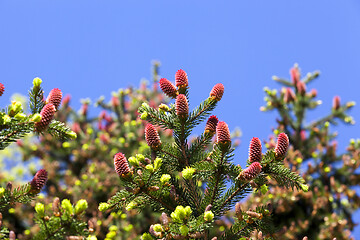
{"x":187,"y":182}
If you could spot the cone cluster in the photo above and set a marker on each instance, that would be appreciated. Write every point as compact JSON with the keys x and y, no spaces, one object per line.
{"x":217,"y":92}
{"x":39,"y":180}
{"x":121,"y":164}
{"x":282,"y":145}
{"x":47,"y":115}
{"x":250,"y":172}
{"x":152,"y":137}
{"x":255,"y":152}
{"x":54,"y":97}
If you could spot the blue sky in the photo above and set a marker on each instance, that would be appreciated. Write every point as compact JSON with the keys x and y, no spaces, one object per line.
{"x":91,"y":48}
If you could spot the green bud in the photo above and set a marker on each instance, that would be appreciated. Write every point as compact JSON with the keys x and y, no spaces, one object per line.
{"x":15,"y":108}
{"x":2,"y":191}
{"x":163,"y":107}
{"x":188,"y":173}
{"x":113,"y":228}
{"x":188,"y":211}
{"x":36,"y":82}
{"x":146,"y":236}
{"x":111,"y":235}
{"x":20,"y":116}
{"x":133,"y":161}
{"x":140,"y":157}
{"x":157,"y":163}
{"x":158,"y":228}
{"x":71,"y":134}
{"x":208,"y":216}
{"x":66,"y":204}
{"x":184,"y":230}
{"x":165,"y":178}
{"x":150,"y":167}
{"x":103,"y":206}
{"x":91,"y":238}
{"x":40,"y":209}
{"x":80,"y":206}
{"x":6,"y":119}
{"x":304,"y":187}
{"x":264,"y":189}
{"x":145,"y":105}
{"x":144,"y":115}
{"x":131,"y":205}
{"x":36,"y":117}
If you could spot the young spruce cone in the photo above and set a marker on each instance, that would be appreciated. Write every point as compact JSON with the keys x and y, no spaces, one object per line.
{"x":282,"y":145}
{"x":47,"y":114}
{"x":168,"y":88}
{"x":39,"y":180}
{"x":2,"y":89}
{"x":250,"y":172}
{"x":181,"y":79}
{"x":217,"y":92}
{"x":152,"y":137}
{"x":255,"y":150}
{"x":336,"y":103}
{"x":223,"y":137}
{"x":121,"y":164}
{"x":54,"y":97}
{"x":211,"y":124}
{"x":182,"y":106}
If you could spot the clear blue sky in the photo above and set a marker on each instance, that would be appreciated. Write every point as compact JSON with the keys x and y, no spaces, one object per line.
{"x":90,"y":48}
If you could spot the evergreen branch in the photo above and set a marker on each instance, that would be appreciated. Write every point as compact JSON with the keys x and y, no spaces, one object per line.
{"x":36,"y":99}
{"x":199,"y":114}
{"x":232,"y":196}
{"x":284,"y":176}
{"x":59,"y":130}
{"x":14,"y":132}
{"x":160,"y":201}
{"x":157,"y":118}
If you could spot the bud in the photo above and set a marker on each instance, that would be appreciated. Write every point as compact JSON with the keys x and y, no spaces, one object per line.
{"x":36,"y":82}
{"x":168,"y":88}
{"x":152,"y":137}
{"x":217,"y":92}
{"x":71,"y":134}
{"x":67,"y":206}
{"x":165,"y":178}
{"x":282,"y":145}
{"x":255,"y":152}
{"x":40,"y":209}
{"x":289,"y":95}
{"x":103,"y":206}
{"x":146,"y":236}
{"x":211,"y":124}
{"x":250,"y":172}
{"x":184,"y":230}
{"x":295,"y":74}
{"x":47,"y":114}
{"x":188,"y":172}
{"x":2,"y":191}
{"x":301,"y":87}
{"x":36,"y":117}
{"x":158,"y":228}
{"x":133,"y":161}
{"x":180,"y":214}
{"x":182,"y":106}
{"x":39,"y":180}
{"x":163,"y":107}
{"x":238,"y":211}
{"x":157,"y":163}
{"x":15,"y":108}
{"x":208,"y":216}
{"x":144,"y":115}
{"x":131,"y":206}
{"x":55,"y":206}
{"x":2,"y":89}
{"x":54,"y":97}
{"x":336,"y":103}
{"x":150,"y":168}
{"x":164,"y":219}
{"x":121,"y":165}
{"x":313,"y":93}
{"x":81,"y":206}
{"x":181,"y":79}
{"x":223,"y":135}
{"x":20,"y":116}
